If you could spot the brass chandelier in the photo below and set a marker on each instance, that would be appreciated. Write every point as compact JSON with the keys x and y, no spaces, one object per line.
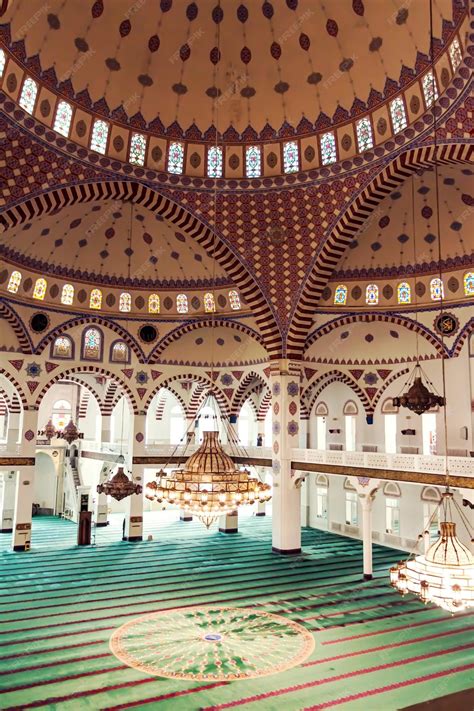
{"x":209,"y":484}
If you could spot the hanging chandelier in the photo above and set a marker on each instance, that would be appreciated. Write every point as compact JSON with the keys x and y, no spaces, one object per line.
{"x":209,"y":484}
{"x":70,"y":433}
{"x":119,"y":486}
{"x":444,"y":575}
{"x":49,"y":430}
{"x":418,"y":398}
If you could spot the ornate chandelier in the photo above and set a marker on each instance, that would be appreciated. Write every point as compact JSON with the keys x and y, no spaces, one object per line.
{"x":49,"y":430}
{"x":418,"y":398}
{"x":70,"y":433}
{"x":119,"y":486}
{"x":444,"y":575}
{"x":209,"y":484}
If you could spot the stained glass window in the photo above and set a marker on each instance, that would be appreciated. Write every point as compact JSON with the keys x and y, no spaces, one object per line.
{"x":62,"y":122}
{"x":137,"y":149}
{"x":100,"y":132}
{"x":120,"y":352}
{"x":404,"y":293}
{"x":92,"y":342}
{"x":214,"y":162}
{"x":290,"y":157}
{"x":397,"y":112}
{"x":340,"y":295}
{"x":95,"y":300}
{"x":365,"y":139}
{"x":209,"y":303}
{"x":372,"y":294}
{"x":3,"y":60}
{"x":62,"y":347}
{"x":234,"y":300}
{"x":125,"y":302}
{"x":14,"y":282}
{"x":328,"y":148}
{"x":40,"y":289}
{"x":455,"y":53}
{"x":468,"y":283}
{"x":436,"y":289}
{"x":154,"y":304}
{"x":28,"y":95}
{"x":430,"y":90}
{"x":253,"y":167}
{"x":182,"y":304}
{"x":176,"y":158}
{"x":67,"y":294}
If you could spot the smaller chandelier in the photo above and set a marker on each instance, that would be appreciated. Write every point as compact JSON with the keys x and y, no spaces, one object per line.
{"x":209,"y":484}
{"x":444,"y":575}
{"x":119,"y":486}
{"x":70,"y":433}
{"x":49,"y":430}
{"x":418,"y":397}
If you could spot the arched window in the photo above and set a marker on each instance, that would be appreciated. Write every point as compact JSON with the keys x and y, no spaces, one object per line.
{"x":340,"y":295}
{"x":120,"y":352}
{"x":436,"y":289}
{"x":253,"y":167}
{"x":182,"y":304}
{"x":125,"y":303}
{"x":62,"y":122}
{"x":372,"y":294}
{"x":67,"y":294}
{"x":398,"y":114}
{"x":455,"y":54}
{"x":14,"y":282}
{"x":404,"y":293}
{"x":40,"y":289}
{"x":430,"y":90}
{"x":209,"y":303}
{"x":468,"y":283}
{"x":62,"y":347}
{"x":365,"y":139}
{"x":3,"y":59}
{"x":328,"y":148}
{"x":214,"y":162}
{"x":154,"y":304}
{"x":291,"y":163}
{"x":61,"y":414}
{"x":95,"y":299}
{"x":175,"y":158}
{"x":28,"y":95}
{"x":92,"y":345}
{"x":100,"y":131}
{"x":137,"y":151}
{"x":234,"y":300}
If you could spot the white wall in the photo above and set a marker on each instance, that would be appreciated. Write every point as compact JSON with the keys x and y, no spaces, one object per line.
{"x":44,"y":482}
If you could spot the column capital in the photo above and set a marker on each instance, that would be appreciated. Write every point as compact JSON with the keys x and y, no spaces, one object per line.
{"x":285,"y":366}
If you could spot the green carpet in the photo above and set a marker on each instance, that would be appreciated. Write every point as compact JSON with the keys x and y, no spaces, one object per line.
{"x":60,"y":605}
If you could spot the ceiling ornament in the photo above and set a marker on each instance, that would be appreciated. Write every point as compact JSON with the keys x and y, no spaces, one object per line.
{"x":444,"y":573}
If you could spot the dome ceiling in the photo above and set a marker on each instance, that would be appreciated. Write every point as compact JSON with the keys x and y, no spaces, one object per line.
{"x":92,"y":242}
{"x":158,"y":62}
{"x":385,"y":245}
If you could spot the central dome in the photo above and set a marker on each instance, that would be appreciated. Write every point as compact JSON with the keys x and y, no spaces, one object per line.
{"x":161,"y":65}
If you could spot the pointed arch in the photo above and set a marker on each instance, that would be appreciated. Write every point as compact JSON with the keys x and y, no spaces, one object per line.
{"x":20,"y":393}
{"x":206,"y":387}
{"x":242,"y":393}
{"x":8,"y":313}
{"x":217,"y":246}
{"x":348,"y":222}
{"x":332,"y":376}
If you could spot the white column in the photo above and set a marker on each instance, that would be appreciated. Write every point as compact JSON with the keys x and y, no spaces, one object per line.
{"x":21,"y":539}
{"x":229,"y":523}
{"x":185,"y":515}
{"x":13,"y":434}
{"x":366,"y":501}
{"x":260,"y":509}
{"x":7,"y":501}
{"x":134,"y":512}
{"x":286,"y":513}
{"x":106,"y":427}
{"x":101,"y":503}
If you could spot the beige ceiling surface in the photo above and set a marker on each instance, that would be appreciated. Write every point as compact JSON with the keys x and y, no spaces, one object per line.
{"x":279,"y":61}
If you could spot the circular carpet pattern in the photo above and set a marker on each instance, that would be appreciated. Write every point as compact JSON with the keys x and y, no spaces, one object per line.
{"x":211,"y":643}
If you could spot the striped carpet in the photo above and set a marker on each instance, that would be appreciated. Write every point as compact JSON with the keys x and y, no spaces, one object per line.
{"x":373,"y":650}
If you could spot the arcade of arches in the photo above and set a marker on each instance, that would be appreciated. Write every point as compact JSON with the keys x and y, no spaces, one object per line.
{"x":277,"y":277}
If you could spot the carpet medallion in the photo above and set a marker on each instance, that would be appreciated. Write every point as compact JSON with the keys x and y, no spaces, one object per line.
{"x":211,"y":643}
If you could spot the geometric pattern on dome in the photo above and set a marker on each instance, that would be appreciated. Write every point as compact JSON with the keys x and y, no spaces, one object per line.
{"x":176,"y":57}
{"x":385,"y":245}
{"x":92,"y":239}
